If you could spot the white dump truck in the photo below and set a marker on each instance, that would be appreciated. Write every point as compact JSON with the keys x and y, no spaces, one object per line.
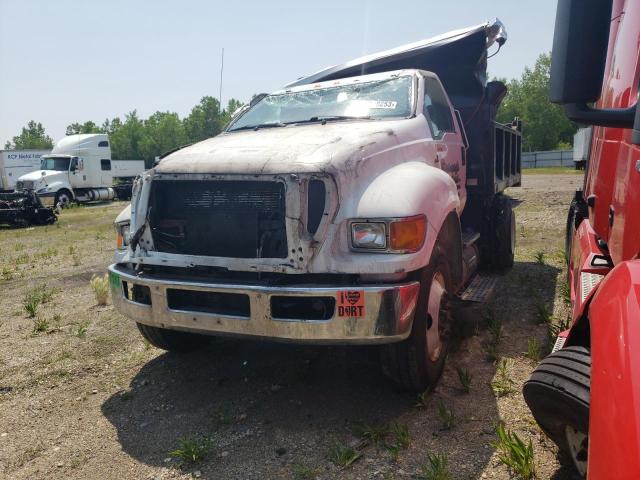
{"x":80,"y":169}
{"x":15,"y":163}
{"x":354,"y":206}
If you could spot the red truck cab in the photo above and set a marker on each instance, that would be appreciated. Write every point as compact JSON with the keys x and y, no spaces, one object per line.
{"x":586,"y":394}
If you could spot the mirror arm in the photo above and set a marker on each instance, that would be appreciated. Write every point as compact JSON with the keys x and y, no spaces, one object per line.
{"x":614,"y":117}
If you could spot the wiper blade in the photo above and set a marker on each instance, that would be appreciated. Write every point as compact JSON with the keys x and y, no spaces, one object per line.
{"x":259,"y":126}
{"x":325,"y":118}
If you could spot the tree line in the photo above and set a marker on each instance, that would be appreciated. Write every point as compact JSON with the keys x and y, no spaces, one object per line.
{"x":138,"y":138}
{"x":545,"y":125}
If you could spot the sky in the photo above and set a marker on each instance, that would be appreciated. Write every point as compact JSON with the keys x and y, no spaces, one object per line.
{"x":68,"y":61}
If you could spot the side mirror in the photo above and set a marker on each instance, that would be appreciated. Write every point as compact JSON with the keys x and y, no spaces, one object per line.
{"x":579,"y":57}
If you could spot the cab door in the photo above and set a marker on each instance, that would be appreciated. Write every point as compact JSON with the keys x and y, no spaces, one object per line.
{"x":447,"y":134}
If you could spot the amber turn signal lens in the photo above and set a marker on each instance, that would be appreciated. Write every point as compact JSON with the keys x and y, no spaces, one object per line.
{"x":408,"y":234}
{"x":119,"y":241}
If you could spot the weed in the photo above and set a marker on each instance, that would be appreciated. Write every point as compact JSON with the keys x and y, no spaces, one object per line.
{"x":40,"y":325}
{"x":494,"y":324}
{"x":394,"y":451}
{"x":18,"y":246}
{"x":72,"y":250}
{"x":21,"y":259}
{"x":76,"y":260}
{"x":99,"y":236}
{"x":30,"y":305}
{"x":539,"y":257}
{"x":343,"y":456}
{"x":190,"y":452}
{"x":81,"y":331}
{"x":372,"y":434}
{"x":543,"y":313}
{"x":533,"y":349}
{"x":465,"y":378}
{"x":100,"y":287}
{"x":6,"y":273}
{"x":514,"y":454}
{"x":502,"y":384}
{"x":447,"y":416}
{"x":422,"y":399}
{"x":490,"y":352}
{"x":304,"y":472}
{"x":126,"y":395}
{"x":220,"y":417}
{"x":436,"y":469}
{"x":401,"y":435}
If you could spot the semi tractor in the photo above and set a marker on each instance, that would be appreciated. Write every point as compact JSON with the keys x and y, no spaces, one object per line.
{"x":354,"y":206}
{"x":586,"y":394}
{"x":80,"y":169}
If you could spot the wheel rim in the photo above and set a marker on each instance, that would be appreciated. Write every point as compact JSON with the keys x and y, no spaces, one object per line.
{"x":578,"y":446}
{"x":435,"y":330}
{"x":513,"y":233}
{"x":63,"y":199}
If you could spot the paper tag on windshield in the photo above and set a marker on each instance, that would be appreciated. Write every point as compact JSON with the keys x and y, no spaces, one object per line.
{"x":375,"y":104}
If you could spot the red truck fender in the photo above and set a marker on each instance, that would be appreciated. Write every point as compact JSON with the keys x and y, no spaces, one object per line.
{"x":614,"y":417}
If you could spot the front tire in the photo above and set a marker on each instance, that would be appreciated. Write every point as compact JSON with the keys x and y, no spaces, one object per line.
{"x":63,"y":199}
{"x":173,"y":340}
{"x":558,"y":395}
{"x":416,"y":363}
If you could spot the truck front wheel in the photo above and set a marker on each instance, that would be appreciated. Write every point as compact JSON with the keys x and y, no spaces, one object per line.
{"x":63,"y":198}
{"x":417,"y":362}
{"x":558,"y":394}
{"x":173,"y":340}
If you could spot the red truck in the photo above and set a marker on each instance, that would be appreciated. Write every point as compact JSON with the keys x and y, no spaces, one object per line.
{"x":586,"y":394}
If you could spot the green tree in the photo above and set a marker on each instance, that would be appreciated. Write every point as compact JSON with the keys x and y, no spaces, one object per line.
{"x":545,"y":126}
{"x":227,"y":113}
{"x":204,"y":121}
{"x":163,"y":131}
{"x":86,"y":127}
{"x":126,"y":138}
{"x":32,"y":136}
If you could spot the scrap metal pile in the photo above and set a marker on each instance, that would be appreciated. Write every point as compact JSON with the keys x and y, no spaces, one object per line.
{"x":24,"y":208}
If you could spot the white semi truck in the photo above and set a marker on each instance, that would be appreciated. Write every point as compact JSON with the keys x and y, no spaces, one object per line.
{"x":354,"y":206}
{"x":15,"y":163}
{"x":80,"y":169}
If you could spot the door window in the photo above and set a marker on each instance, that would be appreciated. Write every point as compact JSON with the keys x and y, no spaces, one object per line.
{"x":436,"y":109}
{"x":105,"y":164}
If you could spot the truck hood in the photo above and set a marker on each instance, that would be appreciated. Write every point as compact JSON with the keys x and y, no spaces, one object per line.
{"x":48,"y":175}
{"x":314,"y":148}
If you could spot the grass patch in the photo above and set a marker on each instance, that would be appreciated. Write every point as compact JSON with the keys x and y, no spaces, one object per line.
{"x":447,"y":416}
{"x":533,"y":350}
{"x":100,"y":287}
{"x":502,"y":384}
{"x":40,"y":325}
{"x":551,"y":170}
{"x":544,"y":314}
{"x":343,"y":456}
{"x":540,"y":257}
{"x":515,"y":454}
{"x":401,"y":435}
{"x":422,"y":399}
{"x":81,"y":331}
{"x":436,"y":468}
{"x":304,"y":472}
{"x":465,"y":377}
{"x":371,"y":434}
{"x":191,"y":451}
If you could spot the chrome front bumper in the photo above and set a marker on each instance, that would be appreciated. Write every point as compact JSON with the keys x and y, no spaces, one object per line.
{"x":386,"y":315}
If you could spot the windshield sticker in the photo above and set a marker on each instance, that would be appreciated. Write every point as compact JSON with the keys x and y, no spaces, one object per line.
{"x":376,"y":104}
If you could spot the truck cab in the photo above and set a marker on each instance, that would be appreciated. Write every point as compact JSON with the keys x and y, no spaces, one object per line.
{"x":346,"y":208}
{"x":79,"y":168}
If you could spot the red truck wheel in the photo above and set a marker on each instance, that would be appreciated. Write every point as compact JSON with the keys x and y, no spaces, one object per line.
{"x":416,"y":363}
{"x":173,"y":340}
{"x":558,"y":395}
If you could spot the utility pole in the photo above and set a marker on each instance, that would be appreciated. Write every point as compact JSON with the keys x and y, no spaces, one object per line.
{"x":221,"y":70}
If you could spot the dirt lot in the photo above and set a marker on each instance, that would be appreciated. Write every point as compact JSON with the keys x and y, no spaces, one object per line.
{"x":82,"y":396}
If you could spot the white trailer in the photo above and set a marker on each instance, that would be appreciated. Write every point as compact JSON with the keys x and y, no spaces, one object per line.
{"x":581,"y":147}
{"x":80,"y":168}
{"x":15,"y":163}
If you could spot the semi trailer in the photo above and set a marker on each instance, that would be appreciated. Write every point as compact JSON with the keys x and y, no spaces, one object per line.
{"x":80,"y":169}
{"x":15,"y":163}
{"x":586,"y":394}
{"x":353,"y":206}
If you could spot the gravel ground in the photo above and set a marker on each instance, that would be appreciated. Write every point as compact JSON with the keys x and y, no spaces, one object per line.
{"x":85,"y":397}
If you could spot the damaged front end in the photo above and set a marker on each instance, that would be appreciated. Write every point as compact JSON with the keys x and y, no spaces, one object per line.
{"x":24,"y":208}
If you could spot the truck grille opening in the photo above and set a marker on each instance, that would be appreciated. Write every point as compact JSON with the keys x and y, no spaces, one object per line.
{"x":302,"y":308}
{"x":315,"y":204}
{"x":136,"y":293}
{"x":227,"y":304}
{"x":236,"y":219}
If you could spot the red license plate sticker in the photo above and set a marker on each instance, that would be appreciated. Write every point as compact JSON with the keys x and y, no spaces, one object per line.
{"x":351,"y":303}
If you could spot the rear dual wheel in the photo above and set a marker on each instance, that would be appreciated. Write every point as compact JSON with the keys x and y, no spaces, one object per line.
{"x":416,"y":363}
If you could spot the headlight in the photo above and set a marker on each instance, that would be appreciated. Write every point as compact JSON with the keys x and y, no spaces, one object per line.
{"x":389,"y":235}
{"x":122,"y":235}
{"x":369,"y":235}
